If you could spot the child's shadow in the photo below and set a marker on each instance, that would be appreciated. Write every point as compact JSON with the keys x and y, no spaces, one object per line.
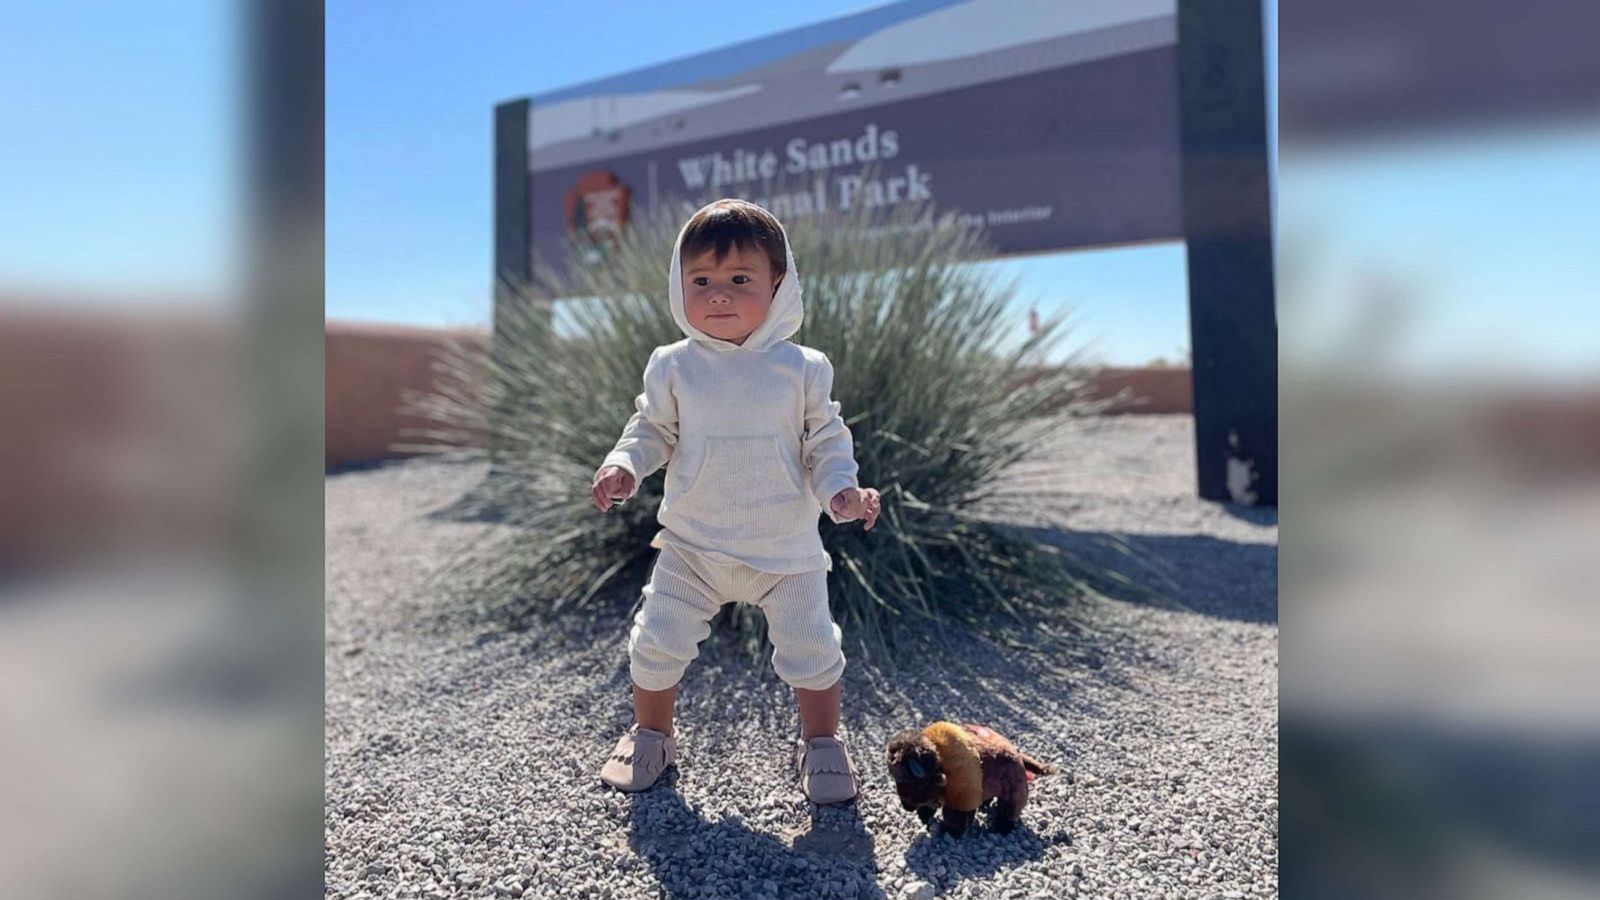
{"x":692,"y":855}
{"x":939,"y":857}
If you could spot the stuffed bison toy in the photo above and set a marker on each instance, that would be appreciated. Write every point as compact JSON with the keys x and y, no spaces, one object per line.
{"x":959,"y":768}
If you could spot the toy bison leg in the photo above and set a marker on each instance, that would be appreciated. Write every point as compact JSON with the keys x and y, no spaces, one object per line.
{"x":925,"y":814}
{"x":1008,"y":809}
{"x":956,"y":821}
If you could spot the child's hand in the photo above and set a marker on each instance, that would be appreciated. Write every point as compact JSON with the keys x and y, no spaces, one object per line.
{"x":610,"y":483}
{"x":856,"y":503}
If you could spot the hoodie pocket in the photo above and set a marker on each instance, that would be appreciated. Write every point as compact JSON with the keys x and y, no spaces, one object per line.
{"x":743,"y":489}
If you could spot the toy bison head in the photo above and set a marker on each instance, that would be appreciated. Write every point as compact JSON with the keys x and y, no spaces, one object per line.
{"x":918,"y":778}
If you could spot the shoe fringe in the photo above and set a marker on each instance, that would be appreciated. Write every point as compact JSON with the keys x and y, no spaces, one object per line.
{"x":830,"y":767}
{"x":635,"y":755}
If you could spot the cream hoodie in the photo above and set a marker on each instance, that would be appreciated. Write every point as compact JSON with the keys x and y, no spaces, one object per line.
{"x":752,"y":440}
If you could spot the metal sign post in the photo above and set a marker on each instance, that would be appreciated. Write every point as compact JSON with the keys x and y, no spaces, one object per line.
{"x":1227,"y":224}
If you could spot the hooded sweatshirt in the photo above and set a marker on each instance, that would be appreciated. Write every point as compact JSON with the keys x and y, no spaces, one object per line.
{"x":752,"y":440}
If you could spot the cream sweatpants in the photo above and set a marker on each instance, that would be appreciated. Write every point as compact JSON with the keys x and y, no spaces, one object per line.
{"x":686,"y":590}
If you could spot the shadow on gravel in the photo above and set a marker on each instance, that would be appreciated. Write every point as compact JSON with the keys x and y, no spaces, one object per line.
{"x":939,"y":858}
{"x":489,"y":500}
{"x":1379,"y":801}
{"x":363,"y":466}
{"x":1255,"y":515}
{"x":692,"y":856}
{"x":1195,"y":573}
{"x":1028,"y":692}
{"x":1025,"y":693}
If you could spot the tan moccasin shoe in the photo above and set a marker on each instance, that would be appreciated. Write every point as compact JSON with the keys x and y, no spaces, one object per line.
{"x":639,"y":759}
{"x":826,"y":773}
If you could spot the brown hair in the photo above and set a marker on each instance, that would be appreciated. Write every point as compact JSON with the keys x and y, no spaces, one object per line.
{"x":724,"y":224}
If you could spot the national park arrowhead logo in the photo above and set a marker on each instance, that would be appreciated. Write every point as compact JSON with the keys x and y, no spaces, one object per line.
{"x":597,"y":207}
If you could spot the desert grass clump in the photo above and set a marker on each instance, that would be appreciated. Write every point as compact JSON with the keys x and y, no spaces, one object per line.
{"x":945,"y":393}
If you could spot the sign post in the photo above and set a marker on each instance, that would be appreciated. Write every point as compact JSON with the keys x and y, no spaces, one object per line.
{"x":512,"y":215}
{"x":1227,"y":224}
{"x":511,"y":204}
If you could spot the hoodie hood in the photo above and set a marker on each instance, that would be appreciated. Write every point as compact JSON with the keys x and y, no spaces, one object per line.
{"x":783,"y":316}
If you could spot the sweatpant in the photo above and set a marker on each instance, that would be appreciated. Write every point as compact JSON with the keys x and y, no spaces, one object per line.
{"x":686,"y":590}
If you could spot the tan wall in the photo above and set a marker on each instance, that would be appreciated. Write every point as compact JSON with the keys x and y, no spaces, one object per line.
{"x":116,"y":426}
{"x":1149,"y":390}
{"x":367,"y":369}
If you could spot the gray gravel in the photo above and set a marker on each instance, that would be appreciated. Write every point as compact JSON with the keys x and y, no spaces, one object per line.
{"x":464,"y":763}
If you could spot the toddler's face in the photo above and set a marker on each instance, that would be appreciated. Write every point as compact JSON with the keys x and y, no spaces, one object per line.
{"x":728,"y":300}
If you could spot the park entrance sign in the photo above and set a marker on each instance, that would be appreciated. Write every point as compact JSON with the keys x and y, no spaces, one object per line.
{"x":1057,"y":128}
{"x":1053,"y":124}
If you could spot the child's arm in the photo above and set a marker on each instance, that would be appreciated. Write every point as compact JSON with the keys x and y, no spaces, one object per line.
{"x":826,"y":447}
{"x":652,"y":431}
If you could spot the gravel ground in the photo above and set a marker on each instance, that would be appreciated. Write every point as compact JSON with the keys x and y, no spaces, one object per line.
{"x":465,"y":763}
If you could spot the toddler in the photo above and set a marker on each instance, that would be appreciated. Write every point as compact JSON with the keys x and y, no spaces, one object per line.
{"x":755,"y":450}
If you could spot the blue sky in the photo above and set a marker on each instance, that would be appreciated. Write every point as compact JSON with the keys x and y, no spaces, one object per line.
{"x":1487,"y":254}
{"x":126,"y":178}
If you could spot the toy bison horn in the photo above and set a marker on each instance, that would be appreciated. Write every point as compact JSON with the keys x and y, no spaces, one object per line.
{"x":959,"y":768}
